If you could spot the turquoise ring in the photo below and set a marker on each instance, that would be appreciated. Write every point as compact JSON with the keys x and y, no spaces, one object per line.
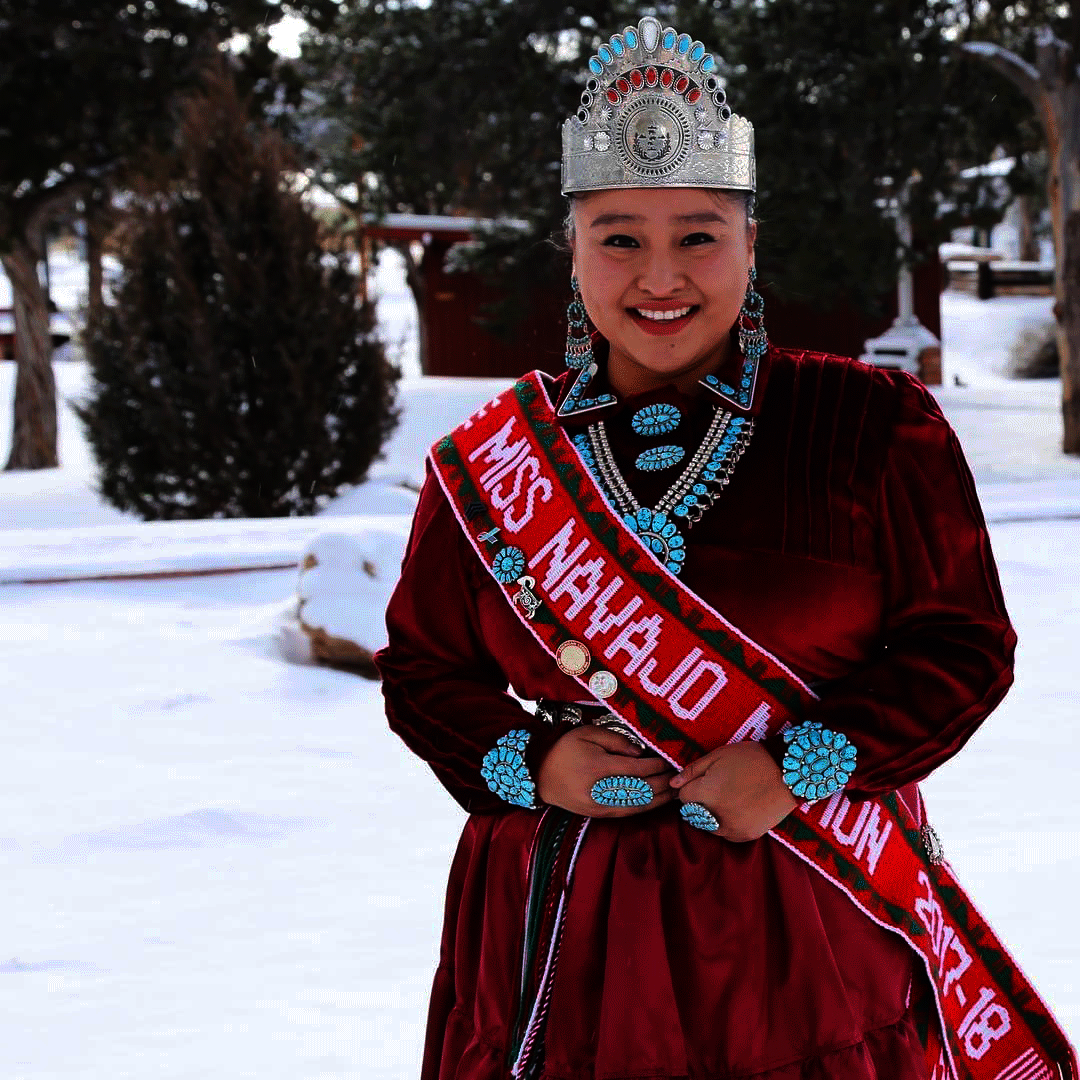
{"x":621,"y":791}
{"x":699,"y":816}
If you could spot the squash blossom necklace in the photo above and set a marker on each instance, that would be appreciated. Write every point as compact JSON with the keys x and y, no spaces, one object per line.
{"x":708,"y":472}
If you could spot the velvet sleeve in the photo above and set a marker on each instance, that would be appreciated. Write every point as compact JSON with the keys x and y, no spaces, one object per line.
{"x":445,"y":693}
{"x":946,"y":652}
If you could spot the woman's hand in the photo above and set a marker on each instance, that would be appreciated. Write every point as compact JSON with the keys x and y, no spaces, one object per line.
{"x":742,"y":787}
{"x":588,"y":753}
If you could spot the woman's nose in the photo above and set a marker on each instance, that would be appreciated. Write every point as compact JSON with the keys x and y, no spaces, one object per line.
{"x":660,"y":276}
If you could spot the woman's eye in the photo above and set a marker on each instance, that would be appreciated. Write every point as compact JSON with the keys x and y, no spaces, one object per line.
{"x":620,"y":240}
{"x":697,"y":238}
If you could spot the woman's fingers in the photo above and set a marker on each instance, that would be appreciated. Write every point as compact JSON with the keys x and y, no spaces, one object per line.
{"x":611,"y":741}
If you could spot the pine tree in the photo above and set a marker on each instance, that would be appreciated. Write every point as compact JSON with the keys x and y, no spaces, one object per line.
{"x":237,"y":373}
{"x":85,"y":87}
{"x":454,"y":106}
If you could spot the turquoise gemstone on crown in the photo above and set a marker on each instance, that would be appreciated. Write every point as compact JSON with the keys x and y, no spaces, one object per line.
{"x":697,"y":52}
{"x":708,"y":65}
{"x":617,"y":46}
{"x":669,"y":40}
{"x":604,"y":53}
{"x":595,"y":66}
{"x":631,"y":39}
{"x":684,"y":44}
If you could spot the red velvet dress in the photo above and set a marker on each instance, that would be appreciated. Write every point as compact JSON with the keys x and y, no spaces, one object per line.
{"x":850,"y":544}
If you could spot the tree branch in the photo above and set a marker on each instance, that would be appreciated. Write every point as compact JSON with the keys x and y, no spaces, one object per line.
{"x":1018,"y":71}
{"x":33,"y":212}
{"x":1054,"y":59}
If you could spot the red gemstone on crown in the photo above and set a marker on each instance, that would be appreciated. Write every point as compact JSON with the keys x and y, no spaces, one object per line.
{"x":614,"y":97}
{"x":693,"y":95}
{"x":637,"y":79}
{"x":623,"y":86}
{"x":651,"y":76}
{"x":682,"y":84}
{"x":667,"y":78}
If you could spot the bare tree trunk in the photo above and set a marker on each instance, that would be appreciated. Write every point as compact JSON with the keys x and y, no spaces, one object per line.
{"x":1029,"y":246}
{"x":96,"y":223}
{"x":415,"y":280}
{"x":1069,"y":322}
{"x":33,"y":440}
{"x":1052,"y":85}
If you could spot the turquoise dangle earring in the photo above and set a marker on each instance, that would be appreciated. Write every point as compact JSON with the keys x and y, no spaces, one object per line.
{"x":579,"y":358}
{"x":753,"y":341}
{"x":753,"y":344}
{"x":579,"y":352}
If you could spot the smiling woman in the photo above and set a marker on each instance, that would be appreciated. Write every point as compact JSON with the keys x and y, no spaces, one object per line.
{"x":751,"y":593}
{"x":663,"y":274}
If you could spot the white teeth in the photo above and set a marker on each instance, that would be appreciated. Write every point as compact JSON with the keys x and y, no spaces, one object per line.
{"x":658,"y":316}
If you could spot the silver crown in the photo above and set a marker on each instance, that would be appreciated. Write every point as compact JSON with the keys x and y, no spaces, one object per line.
{"x":653,"y":114}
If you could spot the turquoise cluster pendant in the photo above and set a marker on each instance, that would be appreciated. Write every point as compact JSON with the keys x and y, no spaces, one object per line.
{"x":661,"y":536}
{"x":660,"y":419}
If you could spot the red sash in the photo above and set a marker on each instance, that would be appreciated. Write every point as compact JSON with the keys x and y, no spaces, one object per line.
{"x":686,"y":680}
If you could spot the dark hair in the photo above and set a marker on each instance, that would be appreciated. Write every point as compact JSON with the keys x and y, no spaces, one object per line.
{"x":747,"y":198}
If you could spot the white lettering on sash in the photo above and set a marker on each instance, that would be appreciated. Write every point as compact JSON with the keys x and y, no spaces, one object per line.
{"x":504,"y":501}
{"x":500,"y":499}
{"x":639,"y":652}
{"x":984,"y":1025}
{"x":561,"y":558}
{"x":719,"y":681}
{"x":943,"y":941}
{"x":848,"y":838}
{"x":516,"y":524}
{"x":830,"y":808}
{"x":873,"y":838}
{"x":601,"y":619}
{"x":502,"y":455}
{"x":593,"y":570}
{"x":661,"y":690}
{"x":755,"y":726}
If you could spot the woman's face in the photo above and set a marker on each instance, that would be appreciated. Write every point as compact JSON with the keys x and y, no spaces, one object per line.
{"x":640,"y":255}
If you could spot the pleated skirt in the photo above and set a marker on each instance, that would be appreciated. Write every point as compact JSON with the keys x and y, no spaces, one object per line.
{"x":684,"y":957}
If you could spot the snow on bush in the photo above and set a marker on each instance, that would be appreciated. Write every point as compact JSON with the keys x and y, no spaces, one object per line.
{"x":346,"y":577}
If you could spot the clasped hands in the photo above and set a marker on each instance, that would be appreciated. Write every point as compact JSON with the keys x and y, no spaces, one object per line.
{"x":740,"y":784}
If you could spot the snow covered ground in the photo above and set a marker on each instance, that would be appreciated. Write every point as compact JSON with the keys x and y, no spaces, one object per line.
{"x":221,"y":865}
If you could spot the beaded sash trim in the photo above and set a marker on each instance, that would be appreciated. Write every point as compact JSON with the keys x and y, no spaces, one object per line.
{"x":688,"y":681}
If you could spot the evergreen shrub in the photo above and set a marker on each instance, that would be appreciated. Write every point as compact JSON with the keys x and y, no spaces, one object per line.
{"x":236,"y":373}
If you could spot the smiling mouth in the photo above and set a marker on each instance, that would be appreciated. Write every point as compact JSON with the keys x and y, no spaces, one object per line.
{"x":663,"y":316}
{"x":652,"y":321}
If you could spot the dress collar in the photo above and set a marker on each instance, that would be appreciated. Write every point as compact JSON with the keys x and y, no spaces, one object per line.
{"x":738,"y":386}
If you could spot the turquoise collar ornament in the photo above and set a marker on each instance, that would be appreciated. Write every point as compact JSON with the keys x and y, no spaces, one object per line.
{"x":653,"y":114}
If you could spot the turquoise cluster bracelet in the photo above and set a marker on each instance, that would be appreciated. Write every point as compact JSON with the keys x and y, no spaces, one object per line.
{"x":505,"y":770}
{"x":818,"y":762}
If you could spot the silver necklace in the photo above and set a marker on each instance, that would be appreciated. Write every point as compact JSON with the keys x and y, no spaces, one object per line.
{"x":698,"y":486}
